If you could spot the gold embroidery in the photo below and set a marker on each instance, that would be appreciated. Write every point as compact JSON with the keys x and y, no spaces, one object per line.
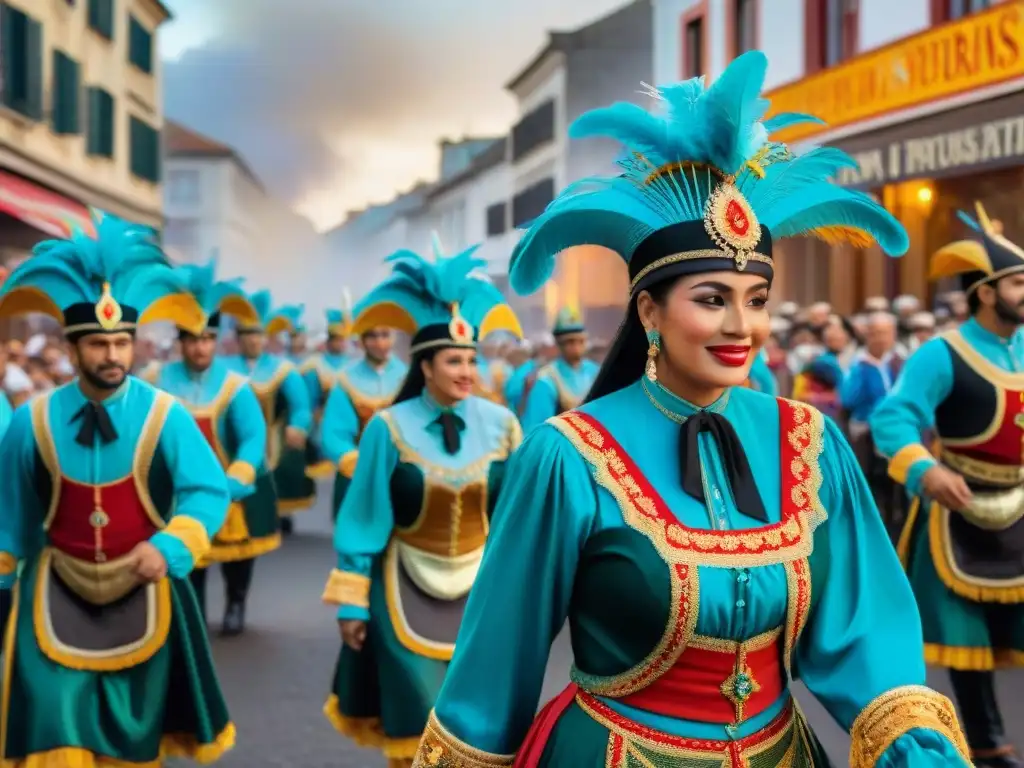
{"x":215,"y":409}
{"x":347,"y":464}
{"x":896,"y":712}
{"x":704,"y":253}
{"x":786,"y":541}
{"x":904,"y":459}
{"x":8,"y":563}
{"x":347,"y":589}
{"x":983,"y":471}
{"x":798,"y":607}
{"x":684,"y":606}
{"x":731,"y":224}
{"x":440,"y":749}
{"x":191,"y":533}
{"x":975,"y":588}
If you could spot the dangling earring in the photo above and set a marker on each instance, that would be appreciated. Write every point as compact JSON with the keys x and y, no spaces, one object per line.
{"x":654,"y":341}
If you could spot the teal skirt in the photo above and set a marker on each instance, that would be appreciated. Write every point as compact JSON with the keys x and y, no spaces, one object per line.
{"x":158,"y":700}
{"x":382,"y":695}
{"x":296,"y":491}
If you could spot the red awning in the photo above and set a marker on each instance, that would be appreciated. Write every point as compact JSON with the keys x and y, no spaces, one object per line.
{"x":54,"y":214}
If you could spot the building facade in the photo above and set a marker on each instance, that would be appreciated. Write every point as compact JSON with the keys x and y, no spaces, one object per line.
{"x":486,"y":194}
{"x":80,"y":116}
{"x":927,"y":95}
{"x":216,"y":208}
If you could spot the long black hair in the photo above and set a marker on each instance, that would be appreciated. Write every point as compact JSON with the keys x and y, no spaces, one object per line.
{"x":627,"y":357}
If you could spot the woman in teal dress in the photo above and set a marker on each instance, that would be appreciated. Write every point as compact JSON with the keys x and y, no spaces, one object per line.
{"x":410,"y":533}
{"x":709,"y":544}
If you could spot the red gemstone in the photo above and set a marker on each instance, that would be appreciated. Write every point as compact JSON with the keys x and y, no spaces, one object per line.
{"x":460,"y":329}
{"x":738,"y":220}
{"x":108,"y":312}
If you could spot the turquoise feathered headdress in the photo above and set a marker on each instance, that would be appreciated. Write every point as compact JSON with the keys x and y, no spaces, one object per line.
{"x":339,"y":321}
{"x":980,"y":261}
{"x":107,"y":284}
{"x":269,"y":319}
{"x":568,"y":322}
{"x":218,"y":297}
{"x":702,"y":188}
{"x":440,"y":303}
{"x":294,"y":314}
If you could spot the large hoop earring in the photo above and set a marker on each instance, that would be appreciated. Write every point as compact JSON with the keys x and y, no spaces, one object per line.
{"x":653,"y":348}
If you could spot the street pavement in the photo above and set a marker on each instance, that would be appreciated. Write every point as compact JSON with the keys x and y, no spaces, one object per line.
{"x":276,"y":676}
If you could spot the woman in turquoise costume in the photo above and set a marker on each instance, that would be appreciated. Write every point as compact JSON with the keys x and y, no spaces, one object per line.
{"x":363,"y":388}
{"x":230,"y":418}
{"x":699,"y":579}
{"x":285,"y":402}
{"x":411,"y":531}
{"x":321,"y":374}
{"x":110,"y":497}
{"x":562,"y":384}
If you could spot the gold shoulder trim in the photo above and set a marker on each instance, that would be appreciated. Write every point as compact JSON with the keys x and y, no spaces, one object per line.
{"x":991,"y":373}
{"x":145,"y":450}
{"x":47,"y":450}
{"x":440,"y":749}
{"x":896,"y":712}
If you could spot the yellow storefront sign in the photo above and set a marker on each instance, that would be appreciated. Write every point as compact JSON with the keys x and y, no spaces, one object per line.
{"x":980,"y":50}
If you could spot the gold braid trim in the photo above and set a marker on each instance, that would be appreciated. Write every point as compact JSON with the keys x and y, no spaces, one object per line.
{"x":439,"y":749}
{"x":347,"y":589}
{"x":191,"y":533}
{"x":905,"y":458}
{"x":347,"y":464}
{"x":896,"y":712}
{"x":243,"y":472}
{"x":8,"y":563}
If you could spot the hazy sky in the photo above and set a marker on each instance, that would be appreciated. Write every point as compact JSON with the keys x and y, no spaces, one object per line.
{"x":339,"y":103}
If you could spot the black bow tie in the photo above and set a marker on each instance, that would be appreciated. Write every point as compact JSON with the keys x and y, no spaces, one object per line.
{"x":451,"y":430}
{"x":95,"y":420}
{"x":741,"y":479}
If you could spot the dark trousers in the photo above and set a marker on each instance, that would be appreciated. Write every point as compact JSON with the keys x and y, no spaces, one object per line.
{"x":6,"y":604}
{"x":975,"y":694}
{"x":237,"y":579}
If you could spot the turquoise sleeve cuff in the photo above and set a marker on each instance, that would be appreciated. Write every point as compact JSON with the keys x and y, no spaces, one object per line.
{"x":916,"y":474}
{"x":178,"y":556}
{"x":353,"y":613}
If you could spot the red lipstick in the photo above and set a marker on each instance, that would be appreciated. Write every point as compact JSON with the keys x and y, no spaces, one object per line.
{"x":731,"y":355}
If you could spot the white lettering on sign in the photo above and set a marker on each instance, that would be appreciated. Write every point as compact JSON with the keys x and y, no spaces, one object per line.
{"x":992,"y":142}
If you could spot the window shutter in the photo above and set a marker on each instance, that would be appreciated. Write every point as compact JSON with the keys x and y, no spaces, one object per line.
{"x":7,"y":59}
{"x":34,"y":69}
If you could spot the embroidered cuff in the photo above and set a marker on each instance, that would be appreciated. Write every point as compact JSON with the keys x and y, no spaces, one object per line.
{"x":347,"y":589}
{"x":905,"y":458}
{"x":8,"y":564}
{"x":894,"y":713}
{"x":191,"y":533}
{"x":439,"y":749}
{"x":347,"y":464}
{"x":243,"y":472}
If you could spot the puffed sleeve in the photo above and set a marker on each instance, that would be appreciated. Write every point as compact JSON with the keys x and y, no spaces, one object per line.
{"x":250,"y":428}
{"x":909,"y":409}
{"x":18,"y":498}
{"x":300,"y":414}
{"x":201,"y":496}
{"x":339,"y":430}
{"x":541,"y":403}
{"x":364,"y":523}
{"x":491,"y":690}
{"x":862,"y":653}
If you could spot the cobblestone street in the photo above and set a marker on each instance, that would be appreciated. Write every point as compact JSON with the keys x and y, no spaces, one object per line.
{"x":276,"y":676}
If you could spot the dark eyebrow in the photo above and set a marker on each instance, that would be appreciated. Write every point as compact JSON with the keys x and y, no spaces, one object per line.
{"x":723,"y":288}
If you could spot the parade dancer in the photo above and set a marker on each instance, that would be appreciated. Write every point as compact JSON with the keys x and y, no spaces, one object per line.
{"x":362,"y":388}
{"x":230,"y":418}
{"x":562,"y":384}
{"x":321,"y":373}
{"x":110,"y":497}
{"x":411,"y":532}
{"x":963,"y":542}
{"x":284,"y":401}
{"x":708,"y":543}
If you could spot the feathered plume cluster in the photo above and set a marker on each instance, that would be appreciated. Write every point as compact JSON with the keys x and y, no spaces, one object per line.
{"x":126,"y":256}
{"x":675,"y":159}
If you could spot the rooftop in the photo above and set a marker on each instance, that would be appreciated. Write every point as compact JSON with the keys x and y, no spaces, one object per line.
{"x":180,"y":141}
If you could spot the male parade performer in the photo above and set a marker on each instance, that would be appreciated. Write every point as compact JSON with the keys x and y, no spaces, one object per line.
{"x":229,"y":416}
{"x":284,"y":401}
{"x":363,"y":388}
{"x":963,"y":543}
{"x":321,"y":374}
{"x":110,"y":497}
{"x":562,"y":384}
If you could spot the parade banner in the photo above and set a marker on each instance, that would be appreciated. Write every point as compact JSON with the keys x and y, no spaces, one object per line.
{"x":47,"y":211}
{"x":980,"y":50}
